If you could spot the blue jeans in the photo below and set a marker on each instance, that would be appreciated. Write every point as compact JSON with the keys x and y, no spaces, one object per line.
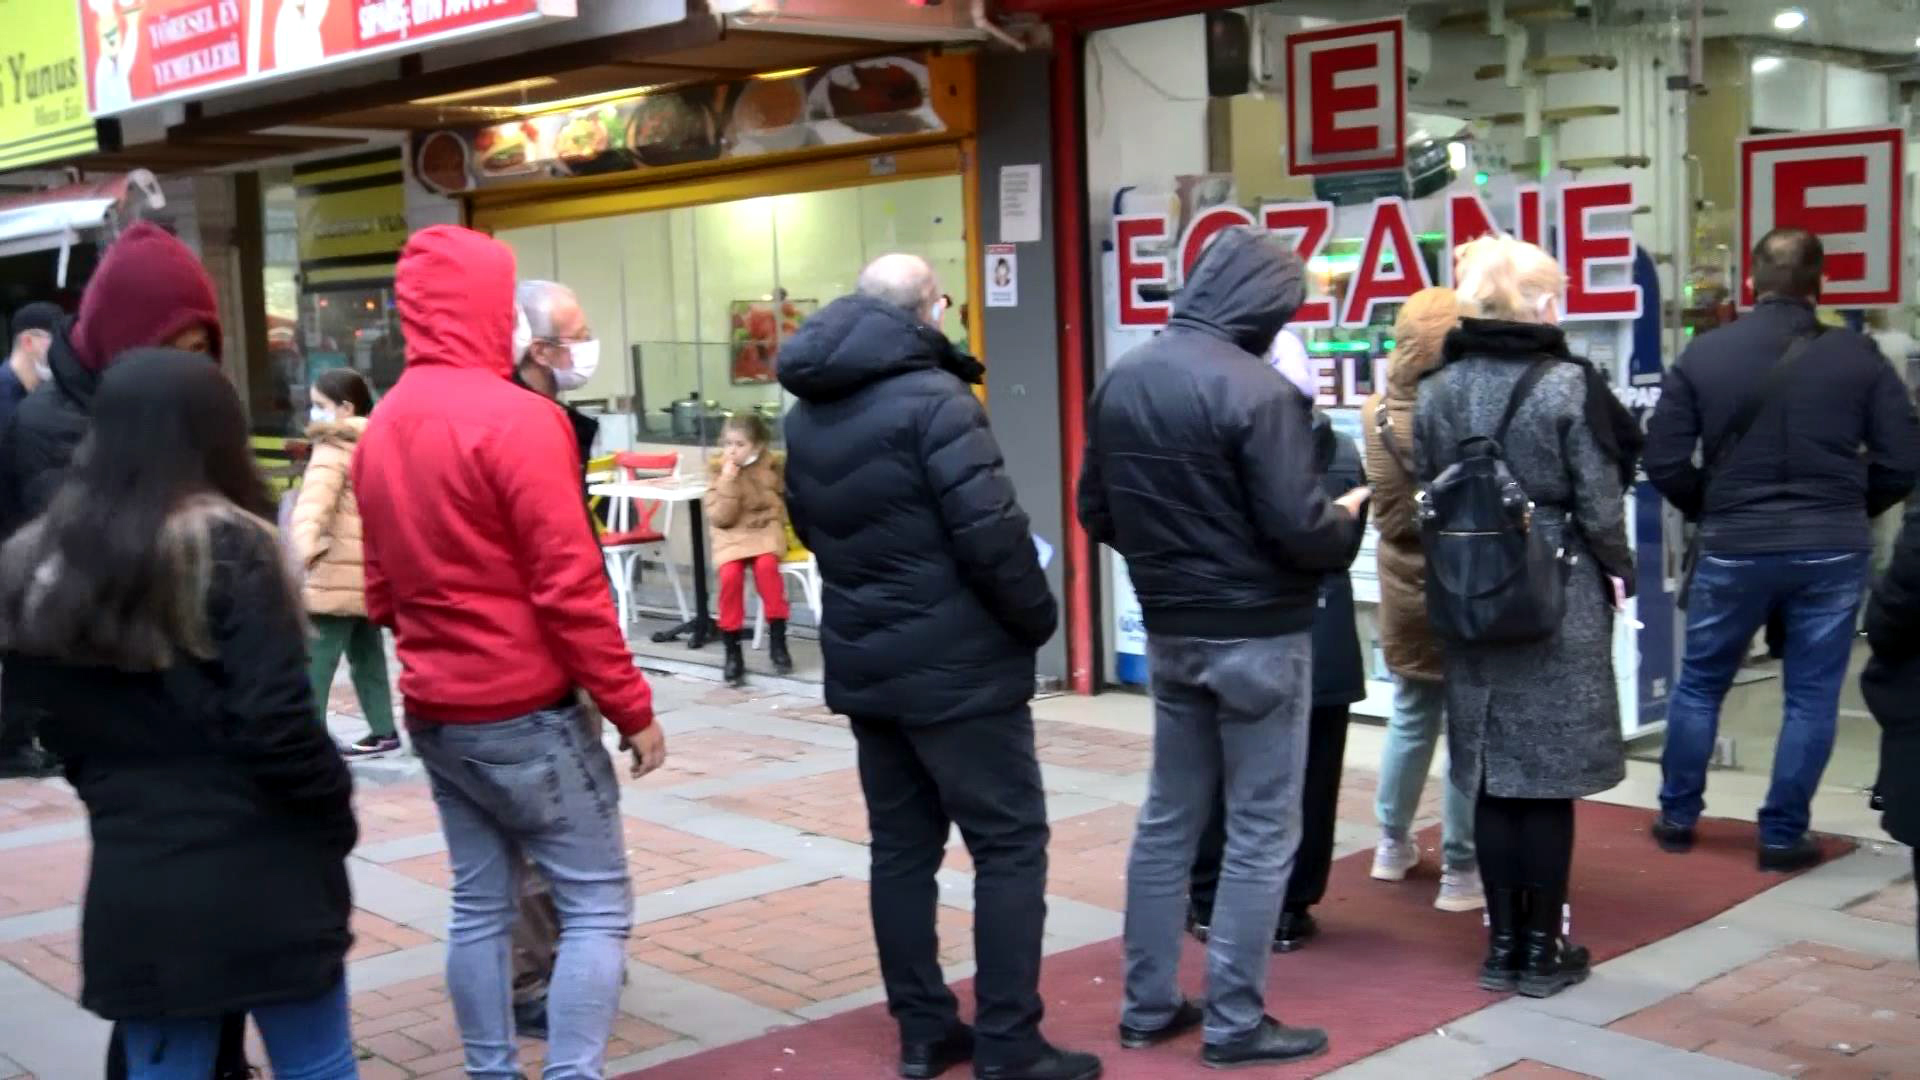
{"x":541,"y":785}
{"x":1818,"y":596}
{"x":306,"y":1040}
{"x":1229,"y":718}
{"x":1412,"y":733}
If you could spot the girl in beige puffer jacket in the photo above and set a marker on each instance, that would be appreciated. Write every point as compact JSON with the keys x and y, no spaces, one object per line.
{"x":326,"y":538}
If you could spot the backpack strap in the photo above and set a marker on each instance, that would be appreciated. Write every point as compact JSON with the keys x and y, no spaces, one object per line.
{"x":1534,"y":373}
{"x":1383,"y":423}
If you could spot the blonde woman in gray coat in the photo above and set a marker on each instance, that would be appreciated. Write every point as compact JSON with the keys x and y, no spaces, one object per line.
{"x":1532,"y":727}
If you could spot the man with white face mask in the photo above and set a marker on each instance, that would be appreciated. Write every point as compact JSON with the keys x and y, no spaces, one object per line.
{"x":555,"y":352}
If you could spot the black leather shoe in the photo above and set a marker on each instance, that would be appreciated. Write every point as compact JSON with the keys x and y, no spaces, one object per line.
{"x":1790,"y":858}
{"x":530,"y":1019}
{"x":924,"y":1061}
{"x":1673,"y":839}
{"x":1500,"y":971}
{"x":28,"y":763}
{"x":1186,"y":1018}
{"x":1296,"y":928}
{"x":1552,"y":964}
{"x":1052,"y":1064}
{"x":1272,"y":1043}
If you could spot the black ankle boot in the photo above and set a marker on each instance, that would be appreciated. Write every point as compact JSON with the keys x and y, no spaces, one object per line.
{"x":777,"y":646}
{"x":1550,"y":963}
{"x":735,"y":671}
{"x":1501,"y":970}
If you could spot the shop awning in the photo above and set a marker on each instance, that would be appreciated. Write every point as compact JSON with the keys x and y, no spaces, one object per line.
{"x":1107,"y":12}
{"x":58,"y":218}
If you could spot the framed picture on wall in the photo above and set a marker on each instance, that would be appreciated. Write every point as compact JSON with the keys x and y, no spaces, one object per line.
{"x":757,"y":327}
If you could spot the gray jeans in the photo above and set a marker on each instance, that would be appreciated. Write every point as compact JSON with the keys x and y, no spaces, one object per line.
{"x":1232,"y":715}
{"x":541,"y":788}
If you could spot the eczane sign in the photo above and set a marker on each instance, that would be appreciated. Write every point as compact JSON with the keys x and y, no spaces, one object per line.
{"x":1347,"y":89}
{"x":1845,"y":187}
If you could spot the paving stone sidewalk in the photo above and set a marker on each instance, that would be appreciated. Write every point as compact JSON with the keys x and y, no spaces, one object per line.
{"x":749,"y":869}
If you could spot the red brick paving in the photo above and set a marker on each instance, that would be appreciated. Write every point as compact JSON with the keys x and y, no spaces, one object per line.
{"x":720,"y":754}
{"x":829,"y":804}
{"x":1894,"y":904}
{"x":786,"y":949}
{"x":658,"y":858}
{"x":43,"y":876}
{"x":1095,"y":749}
{"x":26,"y":804}
{"x":1808,"y":1010}
{"x":53,"y":960}
{"x":1086,"y":859}
{"x":375,"y":936}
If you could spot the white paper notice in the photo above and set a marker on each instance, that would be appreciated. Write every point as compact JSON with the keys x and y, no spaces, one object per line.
{"x":1044,"y":549}
{"x":1019,"y":204}
{"x":1003,"y":276}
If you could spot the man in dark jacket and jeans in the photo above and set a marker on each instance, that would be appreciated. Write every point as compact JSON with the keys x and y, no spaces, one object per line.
{"x":1200,"y":471}
{"x":1783,"y":514}
{"x":934,"y":606}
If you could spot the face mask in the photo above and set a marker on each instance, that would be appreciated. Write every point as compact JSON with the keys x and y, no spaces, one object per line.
{"x":938,"y":311}
{"x":319,"y":415}
{"x":522,"y":334}
{"x":586,"y":361}
{"x":42,"y":370}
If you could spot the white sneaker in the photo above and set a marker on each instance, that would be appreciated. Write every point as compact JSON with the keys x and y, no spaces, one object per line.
{"x":1460,"y":890}
{"x":1393,"y":858}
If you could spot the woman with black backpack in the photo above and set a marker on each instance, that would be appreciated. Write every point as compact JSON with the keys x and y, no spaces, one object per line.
{"x":1525,"y":455}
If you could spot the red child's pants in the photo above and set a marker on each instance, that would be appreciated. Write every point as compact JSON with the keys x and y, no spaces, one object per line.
{"x":733,"y":590}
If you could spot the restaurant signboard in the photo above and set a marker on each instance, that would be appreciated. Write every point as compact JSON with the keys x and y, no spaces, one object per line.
{"x":43,"y":98}
{"x":141,"y":52}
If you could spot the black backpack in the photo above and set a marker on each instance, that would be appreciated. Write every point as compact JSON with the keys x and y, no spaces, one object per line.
{"x":1492,"y":578}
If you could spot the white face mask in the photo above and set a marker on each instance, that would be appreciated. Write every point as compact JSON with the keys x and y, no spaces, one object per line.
{"x":42,"y":370}
{"x":586,"y":361}
{"x":937,"y":312}
{"x":522,"y":334}
{"x":319,"y":415}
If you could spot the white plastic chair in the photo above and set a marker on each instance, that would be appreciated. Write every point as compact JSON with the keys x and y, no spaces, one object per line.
{"x":805,"y":569}
{"x":633,"y":538}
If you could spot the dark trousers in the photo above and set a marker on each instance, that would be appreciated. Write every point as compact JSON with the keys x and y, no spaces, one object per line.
{"x":1526,"y":845}
{"x":981,"y":775}
{"x":1319,"y":799}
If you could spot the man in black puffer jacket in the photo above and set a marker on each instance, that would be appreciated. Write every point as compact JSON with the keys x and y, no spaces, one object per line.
{"x":935,"y":604}
{"x":1200,"y":471}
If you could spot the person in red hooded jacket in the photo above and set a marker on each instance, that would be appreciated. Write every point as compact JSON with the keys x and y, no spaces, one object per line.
{"x":480,"y":557}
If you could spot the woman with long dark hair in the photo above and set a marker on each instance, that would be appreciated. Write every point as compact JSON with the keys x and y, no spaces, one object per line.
{"x":148,"y":619}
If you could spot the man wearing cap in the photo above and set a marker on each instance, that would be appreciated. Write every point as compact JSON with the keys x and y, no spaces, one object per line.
{"x":27,"y":366}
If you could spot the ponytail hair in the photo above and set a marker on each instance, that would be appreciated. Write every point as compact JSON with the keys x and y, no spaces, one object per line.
{"x":1499,"y":277}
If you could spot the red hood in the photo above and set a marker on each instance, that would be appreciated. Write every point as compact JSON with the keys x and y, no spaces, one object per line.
{"x":454,"y":288}
{"x":147,"y":290}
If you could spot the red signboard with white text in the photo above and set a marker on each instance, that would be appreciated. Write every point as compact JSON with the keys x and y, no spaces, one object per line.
{"x":1846,"y":187}
{"x":1347,"y":92}
{"x":140,"y":52}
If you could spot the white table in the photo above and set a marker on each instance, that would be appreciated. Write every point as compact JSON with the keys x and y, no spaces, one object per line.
{"x":676,"y":489}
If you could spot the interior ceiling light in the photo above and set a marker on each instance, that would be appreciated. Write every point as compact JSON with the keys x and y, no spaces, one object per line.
{"x":1765,"y":64}
{"x":534,"y":108}
{"x":1789,"y":20}
{"x":537,"y":83}
{"x":786,"y":74}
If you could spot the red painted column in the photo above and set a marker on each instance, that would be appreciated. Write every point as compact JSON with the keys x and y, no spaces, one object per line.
{"x":1080,"y":569}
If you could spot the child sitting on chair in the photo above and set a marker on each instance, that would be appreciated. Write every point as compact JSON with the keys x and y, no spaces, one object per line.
{"x":747,"y":520}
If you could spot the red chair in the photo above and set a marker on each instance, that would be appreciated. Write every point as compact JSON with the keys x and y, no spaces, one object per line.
{"x":633,"y":537}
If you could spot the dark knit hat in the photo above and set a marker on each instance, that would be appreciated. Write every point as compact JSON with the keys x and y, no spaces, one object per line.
{"x":146,"y":291}
{"x":40,"y":315}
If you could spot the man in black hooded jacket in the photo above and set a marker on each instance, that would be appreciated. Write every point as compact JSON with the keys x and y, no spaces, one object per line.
{"x":934,"y":606}
{"x":1200,"y":470}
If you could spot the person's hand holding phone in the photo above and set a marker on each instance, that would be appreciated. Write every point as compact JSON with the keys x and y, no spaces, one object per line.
{"x":1353,"y":502}
{"x":647,"y":748}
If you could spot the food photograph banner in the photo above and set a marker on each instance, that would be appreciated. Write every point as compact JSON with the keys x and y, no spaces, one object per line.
{"x":144,"y":51}
{"x":43,"y":94}
{"x":885,"y":97}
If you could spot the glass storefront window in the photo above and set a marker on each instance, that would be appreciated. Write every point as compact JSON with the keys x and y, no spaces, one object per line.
{"x":692,"y":304}
{"x":1566,"y":97}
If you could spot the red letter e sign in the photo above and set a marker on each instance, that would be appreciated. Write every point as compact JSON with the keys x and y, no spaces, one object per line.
{"x":1844,"y":186}
{"x":1347,"y":86}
